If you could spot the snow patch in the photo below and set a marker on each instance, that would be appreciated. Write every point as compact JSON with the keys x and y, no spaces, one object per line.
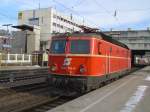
{"x":135,"y":99}
{"x":147,"y":78}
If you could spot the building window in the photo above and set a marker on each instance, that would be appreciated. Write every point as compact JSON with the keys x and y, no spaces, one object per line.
{"x":54,"y":32}
{"x":20,"y":15}
{"x":34,"y":21}
{"x":54,"y":16}
{"x":58,"y":17}
{"x":61,"y":26}
{"x":58,"y":25}
{"x":145,"y":45}
{"x":54,"y":24}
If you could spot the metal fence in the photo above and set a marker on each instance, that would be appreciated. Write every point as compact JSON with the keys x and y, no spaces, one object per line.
{"x":24,"y":59}
{"x":10,"y":59}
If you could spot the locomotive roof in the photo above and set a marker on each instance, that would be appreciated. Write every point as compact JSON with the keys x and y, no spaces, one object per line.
{"x":95,"y":34}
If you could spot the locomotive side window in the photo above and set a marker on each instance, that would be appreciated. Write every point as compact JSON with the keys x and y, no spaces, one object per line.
{"x":99,"y":48}
{"x":58,"y":46}
{"x":80,"y":47}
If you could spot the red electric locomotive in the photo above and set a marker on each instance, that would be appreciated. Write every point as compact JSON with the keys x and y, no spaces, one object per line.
{"x":83,"y":61}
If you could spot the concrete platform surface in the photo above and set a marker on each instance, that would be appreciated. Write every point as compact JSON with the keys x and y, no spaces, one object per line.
{"x":129,"y":94}
{"x":5,"y":68}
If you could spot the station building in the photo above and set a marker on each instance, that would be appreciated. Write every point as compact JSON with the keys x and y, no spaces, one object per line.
{"x":137,"y":40}
{"x":27,"y":40}
{"x":50,"y":22}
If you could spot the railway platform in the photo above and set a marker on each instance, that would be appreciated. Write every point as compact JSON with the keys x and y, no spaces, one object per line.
{"x":13,"y":76}
{"x":6,"y":68}
{"x":128,"y":94}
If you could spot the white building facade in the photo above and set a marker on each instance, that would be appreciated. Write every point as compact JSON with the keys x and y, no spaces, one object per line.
{"x":50,"y":21}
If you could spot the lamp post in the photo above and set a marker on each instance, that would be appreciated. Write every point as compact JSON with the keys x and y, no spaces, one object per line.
{"x":7,"y":25}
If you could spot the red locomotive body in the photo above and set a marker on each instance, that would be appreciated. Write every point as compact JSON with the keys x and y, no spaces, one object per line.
{"x":83,"y":62}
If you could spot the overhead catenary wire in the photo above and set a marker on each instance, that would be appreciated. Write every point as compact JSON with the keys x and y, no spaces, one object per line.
{"x":112,"y":11}
{"x":107,"y":11}
{"x":6,"y":19}
{"x":81,"y":13}
{"x":71,"y":10}
{"x":79,"y":3}
{"x":7,"y":16}
{"x":30,"y":3}
{"x":76,"y":13}
{"x":134,"y":10}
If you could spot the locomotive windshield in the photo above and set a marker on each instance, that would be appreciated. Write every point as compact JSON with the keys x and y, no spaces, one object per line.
{"x":76,"y":46}
{"x":80,"y":47}
{"x":58,"y":46}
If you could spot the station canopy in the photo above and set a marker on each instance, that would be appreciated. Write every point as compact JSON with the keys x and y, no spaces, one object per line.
{"x":24,"y":27}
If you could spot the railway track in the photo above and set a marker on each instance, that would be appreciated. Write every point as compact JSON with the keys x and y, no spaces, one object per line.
{"x":17,"y":98}
{"x":31,"y":98}
{"x":20,"y":77}
{"x":22,"y":90}
{"x":58,"y":101}
{"x":49,"y":105}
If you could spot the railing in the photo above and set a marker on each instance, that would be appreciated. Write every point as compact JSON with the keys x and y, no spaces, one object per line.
{"x":6,"y":59}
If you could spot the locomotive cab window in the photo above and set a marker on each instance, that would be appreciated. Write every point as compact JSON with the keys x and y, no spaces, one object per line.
{"x":58,"y":46}
{"x":80,"y":47}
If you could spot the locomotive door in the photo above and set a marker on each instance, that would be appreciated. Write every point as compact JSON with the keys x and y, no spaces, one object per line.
{"x":103,"y":67}
{"x":108,"y":61}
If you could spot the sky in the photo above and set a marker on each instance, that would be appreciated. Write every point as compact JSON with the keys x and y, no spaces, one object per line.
{"x":102,"y":14}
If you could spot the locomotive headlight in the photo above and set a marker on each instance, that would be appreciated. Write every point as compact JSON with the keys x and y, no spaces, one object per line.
{"x":53,"y":68}
{"x":82,"y":69}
